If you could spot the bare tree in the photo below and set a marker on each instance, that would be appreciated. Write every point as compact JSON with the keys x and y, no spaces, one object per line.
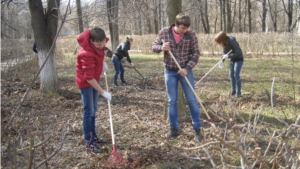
{"x":273,"y":14}
{"x":112,"y":13}
{"x":264,"y":15}
{"x":249,"y":17}
{"x":79,"y":15}
{"x":289,"y":12}
{"x":44,"y":23}
{"x":203,"y":6}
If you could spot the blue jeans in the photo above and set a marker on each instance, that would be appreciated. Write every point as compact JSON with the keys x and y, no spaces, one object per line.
{"x":234,"y":73}
{"x":89,"y":97}
{"x":171,"y":81}
{"x":118,"y":68}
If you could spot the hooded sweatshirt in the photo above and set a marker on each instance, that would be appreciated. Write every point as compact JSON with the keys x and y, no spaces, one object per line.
{"x":89,"y":61}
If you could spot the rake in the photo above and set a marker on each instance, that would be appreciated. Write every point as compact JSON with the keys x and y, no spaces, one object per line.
{"x":211,"y":69}
{"x":138,"y":72}
{"x":188,"y":82}
{"x":115,"y":159}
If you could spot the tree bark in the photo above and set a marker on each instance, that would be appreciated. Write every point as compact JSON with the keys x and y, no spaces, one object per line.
{"x":174,"y":7}
{"x":79,"y":15}
{"x":264,"y":15}
{"x":273,"y":14}
{"x":228,"y":10}
{"x":44,"y":23}
{"x":240,"y":16}
{"x":204,"y":15}
{"x":289,"y":12}
{"x":249,"y":17}
{"x":113,"y":10}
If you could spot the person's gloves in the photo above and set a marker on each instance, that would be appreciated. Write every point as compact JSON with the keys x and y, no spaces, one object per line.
{"x":225,"y":56}
{"x":221,"y":64}
{"x":106,"y":95}
{"x":131,"y":64}
{"x":105,"y":67}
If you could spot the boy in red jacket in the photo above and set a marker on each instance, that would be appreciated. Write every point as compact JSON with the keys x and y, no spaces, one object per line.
{"x":89,"y":66}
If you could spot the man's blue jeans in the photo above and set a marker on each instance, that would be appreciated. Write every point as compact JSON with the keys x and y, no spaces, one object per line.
{"x":89,"y":97}
{"x":118,"y":69}
{"x":234,"y":73}
{"x":171,"y":81}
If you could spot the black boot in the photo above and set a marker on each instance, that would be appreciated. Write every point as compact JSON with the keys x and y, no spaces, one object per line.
{"x":124,"y":83}
{"x":198,"y":135}
{"x":172,"y":133}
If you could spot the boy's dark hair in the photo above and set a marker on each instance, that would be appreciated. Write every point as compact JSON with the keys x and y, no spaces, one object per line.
{"x":97,"y":34}
{"x":182,"y":19}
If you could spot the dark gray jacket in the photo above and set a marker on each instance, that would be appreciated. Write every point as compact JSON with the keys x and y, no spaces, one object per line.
{"x":236,"y":54}
{"x":122,"y":51}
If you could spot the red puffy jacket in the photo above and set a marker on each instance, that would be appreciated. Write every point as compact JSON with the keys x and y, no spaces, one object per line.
{"x":89,"y":61}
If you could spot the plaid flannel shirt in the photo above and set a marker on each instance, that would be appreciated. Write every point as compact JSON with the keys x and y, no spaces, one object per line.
{"x":186,"y":52}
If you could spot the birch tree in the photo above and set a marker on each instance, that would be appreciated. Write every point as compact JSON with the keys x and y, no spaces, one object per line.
{"x":44,"y":22}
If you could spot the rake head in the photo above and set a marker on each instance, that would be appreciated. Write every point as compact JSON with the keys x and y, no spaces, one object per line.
{"x":115,"y":159}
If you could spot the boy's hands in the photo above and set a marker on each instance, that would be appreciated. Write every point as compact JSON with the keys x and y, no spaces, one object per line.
{"x":106,"y":95}
{"x":165,"y":46}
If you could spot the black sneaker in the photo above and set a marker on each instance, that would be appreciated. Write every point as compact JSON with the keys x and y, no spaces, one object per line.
{"x":92,"y":149}
{"x":198,"y":135}
{"x":233,"y":93}
{"x":99,"y":141}
{"x":124,"y":83}
{"x":172,"y":133}
{"x":239,"y":94}
{"x":116,"y":84}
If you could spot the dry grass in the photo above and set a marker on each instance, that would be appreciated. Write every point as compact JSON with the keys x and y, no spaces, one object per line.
{"x":139,"y":126}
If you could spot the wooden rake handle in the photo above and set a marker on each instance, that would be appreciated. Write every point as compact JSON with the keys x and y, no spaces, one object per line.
{"x":210,"y":70}
{"x":188,"y":82}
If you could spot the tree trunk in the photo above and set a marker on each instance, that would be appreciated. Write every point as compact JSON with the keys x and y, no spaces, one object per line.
{"x":264,"y":15}
{"x":228,"y":9}
{"x":44,"y":24}
{"x":113,"y":10}
{"x":249,"y":17}
{"x":289,"y":11}
{"x":79,"y":15}
{"x":204,"y":16}
{"x":156,"y":18}
{"x":240,"y":16}
{"x":274,"y":19}
{"x":221,"y":15}
{"x":174,"y":7}
{"x":224,"y":14}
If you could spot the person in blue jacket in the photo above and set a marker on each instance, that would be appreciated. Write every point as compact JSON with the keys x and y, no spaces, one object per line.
{"x":121,"y":52}
{"x":236,"y":60}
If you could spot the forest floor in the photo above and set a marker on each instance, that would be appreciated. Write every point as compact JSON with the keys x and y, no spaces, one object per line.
{"x":138,"y":116}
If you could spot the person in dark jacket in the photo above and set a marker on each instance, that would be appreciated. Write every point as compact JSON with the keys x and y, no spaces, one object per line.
{"x":183,"y":43}
{"x":120,"y":52}
{"x":236,"y":60}
{"x":89,"y":66}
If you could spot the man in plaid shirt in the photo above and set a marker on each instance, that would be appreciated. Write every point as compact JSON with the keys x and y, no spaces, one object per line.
{"x":183,"y":44}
